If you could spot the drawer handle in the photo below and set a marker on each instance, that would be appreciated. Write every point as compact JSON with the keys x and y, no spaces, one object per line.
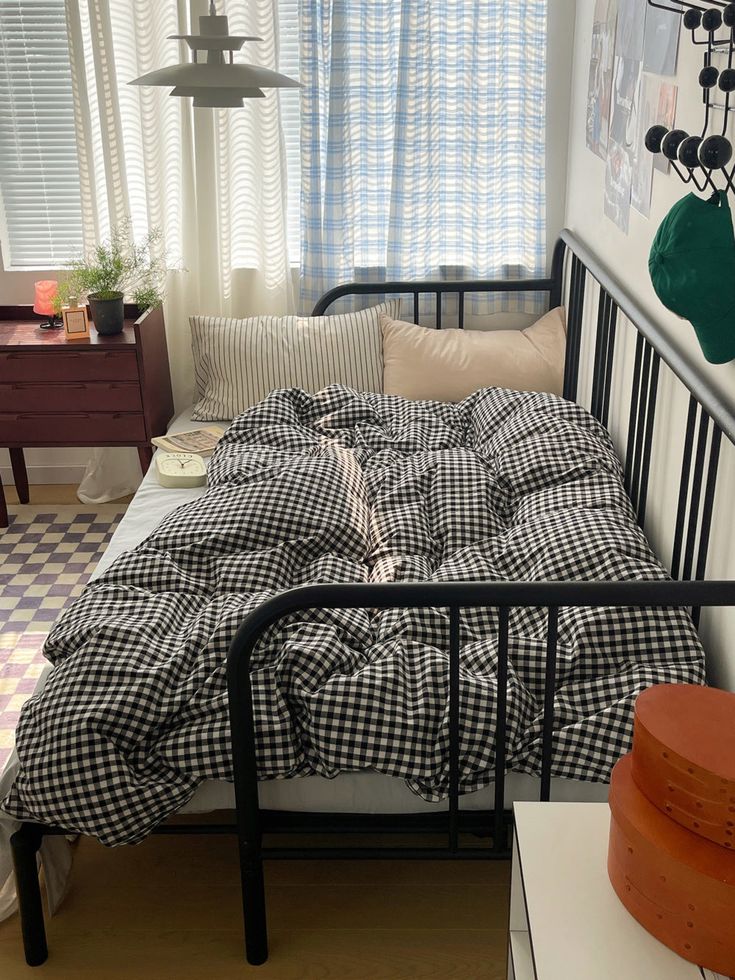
{"x":70,"y":354}
{"x":61,"y":415}
{"x":32,"y":386}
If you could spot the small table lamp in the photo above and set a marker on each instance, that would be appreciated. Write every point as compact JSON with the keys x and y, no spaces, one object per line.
{"x":43,"y":304}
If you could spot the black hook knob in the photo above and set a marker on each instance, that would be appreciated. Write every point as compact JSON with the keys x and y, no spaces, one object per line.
{"x":689,"y":152}
{"x":727,"y":80}
{"x":715,"y":152}
{"x":728,"y":15}
{"x":671,"y":142}
{"x":708,"y":76}
{"x":692,"y":19}
{"x":654,"y":137}
{"x":712,"y":20}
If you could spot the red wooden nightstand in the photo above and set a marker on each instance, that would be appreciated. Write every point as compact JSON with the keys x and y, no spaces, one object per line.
{"x":105,"y":391}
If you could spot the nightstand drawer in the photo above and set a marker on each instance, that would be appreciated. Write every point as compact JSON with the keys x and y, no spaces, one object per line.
{"x":89,"y":396}
{"x":71,"y":429}
{"x":80,"y":365}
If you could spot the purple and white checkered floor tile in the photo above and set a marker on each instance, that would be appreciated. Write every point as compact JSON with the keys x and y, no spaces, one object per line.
{"x":46,"y":557}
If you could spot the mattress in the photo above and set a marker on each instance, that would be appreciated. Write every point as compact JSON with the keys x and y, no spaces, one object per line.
{"x":350,"y":792}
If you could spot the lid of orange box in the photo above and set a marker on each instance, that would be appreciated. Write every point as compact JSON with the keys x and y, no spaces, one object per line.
{"x":698,"y":723}
{"x":630,"y":807}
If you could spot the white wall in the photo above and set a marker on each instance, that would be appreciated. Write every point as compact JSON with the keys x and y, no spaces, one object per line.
{"x":626,"y":256}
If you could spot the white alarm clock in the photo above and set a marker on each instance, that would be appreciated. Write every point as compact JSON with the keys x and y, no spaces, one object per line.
{"x":180,"y":469}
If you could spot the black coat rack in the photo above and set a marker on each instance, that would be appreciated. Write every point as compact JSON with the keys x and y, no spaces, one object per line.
{"x":703,"y":159}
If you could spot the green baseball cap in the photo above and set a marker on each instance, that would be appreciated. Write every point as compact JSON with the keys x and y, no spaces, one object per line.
{"x":692,"y":266}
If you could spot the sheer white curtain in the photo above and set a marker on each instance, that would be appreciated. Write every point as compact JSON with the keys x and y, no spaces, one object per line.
{"x":214,"y":180}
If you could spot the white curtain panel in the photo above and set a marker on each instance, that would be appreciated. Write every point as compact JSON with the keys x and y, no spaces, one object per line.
{"x":214,"y":180}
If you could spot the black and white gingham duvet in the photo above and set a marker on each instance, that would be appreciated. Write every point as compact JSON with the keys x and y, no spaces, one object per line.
{"x":347,"y":487}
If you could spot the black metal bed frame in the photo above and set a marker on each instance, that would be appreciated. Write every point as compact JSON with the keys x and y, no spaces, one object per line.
{"x":574,"y":270}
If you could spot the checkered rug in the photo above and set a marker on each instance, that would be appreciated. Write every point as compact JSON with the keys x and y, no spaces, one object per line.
{"x":46,"y":556}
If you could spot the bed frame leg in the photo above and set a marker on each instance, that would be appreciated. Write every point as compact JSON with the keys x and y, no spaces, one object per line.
{"x":25,"y":844}
{"x":253,"y":903}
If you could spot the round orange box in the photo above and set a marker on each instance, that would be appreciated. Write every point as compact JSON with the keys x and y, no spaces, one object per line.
{"x":684,"y":757}
{"x":680,"y":887}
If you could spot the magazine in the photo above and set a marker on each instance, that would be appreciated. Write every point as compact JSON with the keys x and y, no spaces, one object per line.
{"x":201,"y":441}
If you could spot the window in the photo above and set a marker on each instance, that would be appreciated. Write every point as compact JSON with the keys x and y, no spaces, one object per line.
{"x":423,"y":142}
{"x":40,"y":207}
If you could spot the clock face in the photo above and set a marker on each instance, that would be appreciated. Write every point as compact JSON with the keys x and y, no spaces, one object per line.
{"x":175,"y":463}
{"x":180,"y":469}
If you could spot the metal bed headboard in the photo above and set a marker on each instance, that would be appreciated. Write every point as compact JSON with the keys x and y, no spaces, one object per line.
{"x":574,"y":269}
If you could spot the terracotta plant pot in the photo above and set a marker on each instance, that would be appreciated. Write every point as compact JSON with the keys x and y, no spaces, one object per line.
{"x":108,"y":315}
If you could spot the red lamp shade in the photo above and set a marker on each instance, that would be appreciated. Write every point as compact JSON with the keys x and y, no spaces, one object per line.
{"x":46,"y":291}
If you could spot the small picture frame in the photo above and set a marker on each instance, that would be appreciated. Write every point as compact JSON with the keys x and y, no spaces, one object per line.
{"x":76,"y":324}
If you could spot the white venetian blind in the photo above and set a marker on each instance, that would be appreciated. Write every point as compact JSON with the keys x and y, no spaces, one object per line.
{"x":40,"y":208}
{"x":288,"y":29}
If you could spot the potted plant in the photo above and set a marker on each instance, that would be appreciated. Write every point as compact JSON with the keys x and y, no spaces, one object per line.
{"x":113,"y":271}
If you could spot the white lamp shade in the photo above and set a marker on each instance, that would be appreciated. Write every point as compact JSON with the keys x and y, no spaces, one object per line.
{"x":217,"y":76}
{"x":216,"y":83}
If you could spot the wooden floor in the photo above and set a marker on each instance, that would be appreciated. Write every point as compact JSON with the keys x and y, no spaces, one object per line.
{"x":170,"y":908}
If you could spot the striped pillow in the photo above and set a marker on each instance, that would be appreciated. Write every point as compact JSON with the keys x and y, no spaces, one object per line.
{"x":239,"y":362}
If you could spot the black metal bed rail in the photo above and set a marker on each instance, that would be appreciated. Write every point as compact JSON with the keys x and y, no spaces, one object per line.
{"x":452,"y":596}
{"x":440,"y":288}
{"x":710,"y":417}
{"x":689,"y":369}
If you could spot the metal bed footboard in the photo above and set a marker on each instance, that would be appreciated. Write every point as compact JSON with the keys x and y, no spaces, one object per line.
{"x":454,"y":596}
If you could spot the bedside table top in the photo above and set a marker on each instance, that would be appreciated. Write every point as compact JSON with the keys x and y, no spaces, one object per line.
{"x":578,"y":927}
{"x":26,"y":333}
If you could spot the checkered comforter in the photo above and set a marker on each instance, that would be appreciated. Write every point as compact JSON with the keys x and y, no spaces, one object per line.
{"x":344,"y":487}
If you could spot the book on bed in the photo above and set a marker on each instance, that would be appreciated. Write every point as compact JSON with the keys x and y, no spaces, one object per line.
{"x":201,"y":441}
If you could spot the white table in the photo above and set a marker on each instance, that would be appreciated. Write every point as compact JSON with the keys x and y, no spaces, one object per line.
{"x":566,"y":922}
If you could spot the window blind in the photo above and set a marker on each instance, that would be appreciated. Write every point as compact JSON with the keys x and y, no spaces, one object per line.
{"x":288,"y":29}
{"x":40,"y":206}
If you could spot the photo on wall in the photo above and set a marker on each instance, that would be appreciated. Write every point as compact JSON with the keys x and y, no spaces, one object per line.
{"x":621,"y":152}
{"x":630,"y":31}
{"x":642,"y":164}
{"x":661,"y":41}
{"x":618,"y":181}
{"x":601,"y":76}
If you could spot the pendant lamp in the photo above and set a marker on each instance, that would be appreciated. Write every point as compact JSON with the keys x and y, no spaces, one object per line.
{"x":216,"y":83}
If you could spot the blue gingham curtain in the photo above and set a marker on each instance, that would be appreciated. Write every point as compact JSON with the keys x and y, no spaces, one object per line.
{"x":423,"y":142}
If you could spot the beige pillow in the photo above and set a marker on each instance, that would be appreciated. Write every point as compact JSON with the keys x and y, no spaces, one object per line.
{"x":448,"y":365}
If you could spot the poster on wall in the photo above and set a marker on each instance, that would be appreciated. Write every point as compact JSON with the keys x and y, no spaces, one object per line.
{"x":642,"y":161}
{"x":661,"y":41}
{"x":630,"y":31}
{"x":601,"y":76}
{"x":618,"y":178}
{"x":666,"y":116}
{"x":621,"y":152}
